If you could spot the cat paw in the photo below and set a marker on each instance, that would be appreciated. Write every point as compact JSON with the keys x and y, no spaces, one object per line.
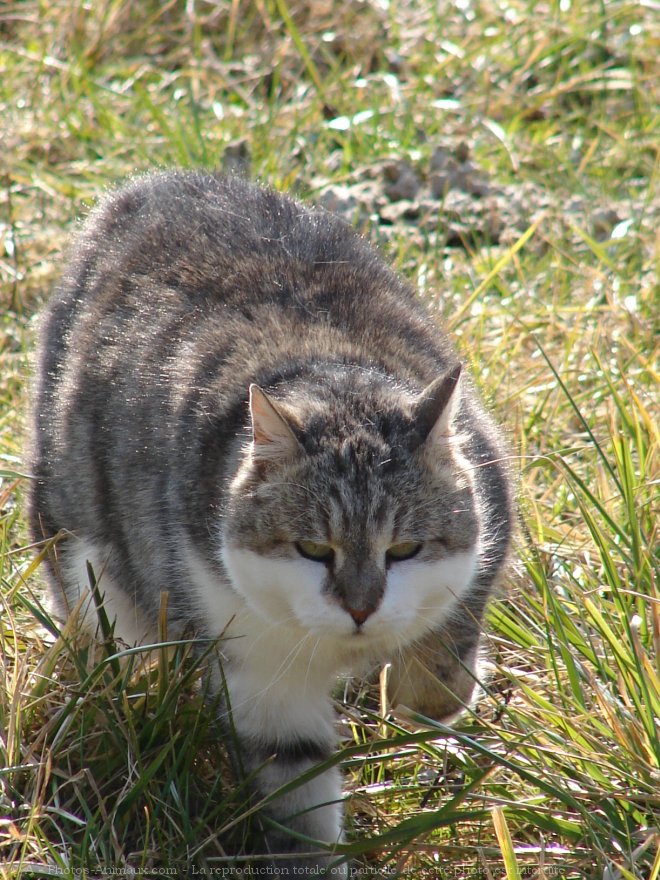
{"x":433,"y":682}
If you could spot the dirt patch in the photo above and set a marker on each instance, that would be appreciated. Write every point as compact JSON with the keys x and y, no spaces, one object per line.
{"x":450,"y":200}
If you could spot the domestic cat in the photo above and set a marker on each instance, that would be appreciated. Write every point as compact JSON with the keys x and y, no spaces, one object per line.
{"x":238,"y":402}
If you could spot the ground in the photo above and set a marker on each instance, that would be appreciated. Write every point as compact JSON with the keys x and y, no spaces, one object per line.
{"x":504,"y":155}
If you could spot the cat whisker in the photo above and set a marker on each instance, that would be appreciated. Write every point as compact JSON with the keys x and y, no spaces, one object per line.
{"x":310,"y":662}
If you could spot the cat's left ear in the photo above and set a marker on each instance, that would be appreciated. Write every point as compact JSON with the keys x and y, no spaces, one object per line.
{"x":272,"y":436}
{"x":436,"y":406}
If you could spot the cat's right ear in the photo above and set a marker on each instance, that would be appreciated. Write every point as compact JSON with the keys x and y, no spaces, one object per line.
{"x":435,"y":409}
{"x":272,"y":436}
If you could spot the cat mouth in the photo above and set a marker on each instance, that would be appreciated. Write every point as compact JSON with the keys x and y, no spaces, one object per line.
{"x":368,"y":632}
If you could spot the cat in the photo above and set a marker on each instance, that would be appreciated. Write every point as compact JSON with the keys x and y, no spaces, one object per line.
{"x":239,"y":403}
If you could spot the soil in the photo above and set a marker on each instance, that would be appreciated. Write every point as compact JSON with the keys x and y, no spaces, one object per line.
{"x":452,"y":201}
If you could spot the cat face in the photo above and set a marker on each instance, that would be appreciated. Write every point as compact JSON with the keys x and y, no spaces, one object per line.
{"x":350,"y":525}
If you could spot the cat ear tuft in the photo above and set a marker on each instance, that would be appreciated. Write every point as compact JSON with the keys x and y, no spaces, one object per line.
{"x":272,"y":435}
{"x":436,"y":406}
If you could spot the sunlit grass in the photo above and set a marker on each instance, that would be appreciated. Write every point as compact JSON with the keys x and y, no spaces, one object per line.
{"x":108,"y":762}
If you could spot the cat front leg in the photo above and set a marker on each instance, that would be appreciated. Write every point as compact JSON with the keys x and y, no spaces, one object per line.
{"x":284,"y":726}
{"x":312,"y":809}
{"x":437,"y":676}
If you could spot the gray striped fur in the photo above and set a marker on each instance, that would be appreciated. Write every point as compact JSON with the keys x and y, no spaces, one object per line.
{"x":182,"y":291}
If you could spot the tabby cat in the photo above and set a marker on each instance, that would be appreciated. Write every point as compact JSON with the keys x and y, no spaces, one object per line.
{"x":240,"y":404}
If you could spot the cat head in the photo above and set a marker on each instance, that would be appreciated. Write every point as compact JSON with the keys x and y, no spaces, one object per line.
{"x":352,"y":514}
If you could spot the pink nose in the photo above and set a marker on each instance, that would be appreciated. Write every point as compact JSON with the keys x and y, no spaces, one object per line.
{"x":359,"y":615}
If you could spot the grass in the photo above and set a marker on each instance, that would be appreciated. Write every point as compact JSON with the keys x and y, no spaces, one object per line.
{"x":106,"y":766}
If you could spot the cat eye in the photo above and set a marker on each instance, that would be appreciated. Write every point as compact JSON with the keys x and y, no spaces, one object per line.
{"x":402,"y":551}
{"x":314,"y":551}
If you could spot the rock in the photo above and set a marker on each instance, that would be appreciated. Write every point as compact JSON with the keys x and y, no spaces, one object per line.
{"x":603,"y":222}
{"x":237,"y":158}
{"x":442,"y":160}
{"x":401,"y":181}
{"x":339,"y":200}
{"x":462,"y":151}
{"x":357,"y":204}
{"x":440,"y":184}
{"x":404,"y":210}
{"x":456,"y":171}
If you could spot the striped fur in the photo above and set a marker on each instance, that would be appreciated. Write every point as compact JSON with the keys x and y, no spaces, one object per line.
{"x":240,"y":403}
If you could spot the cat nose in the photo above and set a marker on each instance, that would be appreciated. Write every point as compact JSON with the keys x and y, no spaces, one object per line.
{"x":359,"y":615}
